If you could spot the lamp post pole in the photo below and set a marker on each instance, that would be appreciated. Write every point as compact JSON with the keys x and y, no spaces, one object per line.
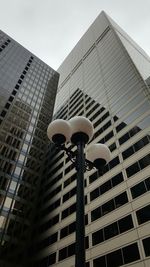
{"x":79,"y":131}
{"x":80,"y":219}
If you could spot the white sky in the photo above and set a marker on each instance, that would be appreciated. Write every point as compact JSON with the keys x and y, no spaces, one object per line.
{"x":51,"y":28}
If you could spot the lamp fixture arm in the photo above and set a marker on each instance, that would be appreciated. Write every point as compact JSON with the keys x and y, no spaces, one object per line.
{"x":72,"y":156}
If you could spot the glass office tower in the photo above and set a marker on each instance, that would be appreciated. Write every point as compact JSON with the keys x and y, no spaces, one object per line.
{"x":27,"y":94}
{"x":105,"y":78}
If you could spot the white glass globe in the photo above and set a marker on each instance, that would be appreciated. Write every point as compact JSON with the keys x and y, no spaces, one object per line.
{"x":82,"y":129}
{"x":59,"y":131}
{"x":99,"y":154}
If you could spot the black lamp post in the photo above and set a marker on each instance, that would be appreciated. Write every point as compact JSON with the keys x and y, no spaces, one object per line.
{"x":79,"y":130}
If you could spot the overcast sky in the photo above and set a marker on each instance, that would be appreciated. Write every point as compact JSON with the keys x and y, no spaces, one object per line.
{"x":51,"y":28}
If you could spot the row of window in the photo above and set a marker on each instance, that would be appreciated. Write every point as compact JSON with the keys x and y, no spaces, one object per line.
{"x":135,"y":147}
{"x":129,"y":135}
{"x":103,"y":128}
{"x":109,"y":206}
{"x":111,"y":183}
{"x":136,"y":191}
{"x":53,"y":193}
{"x":70,"y":250}
{"x":114,"y":181}
{"x":118,"y":227}
{"x":138,"y":166}
{"x":143,"y":214}
{"x":140,"y":188}
{"x":112,"y":230}
{"x":11,"y":98}
{"x":119,"y":257}
{"x":3,"y":46}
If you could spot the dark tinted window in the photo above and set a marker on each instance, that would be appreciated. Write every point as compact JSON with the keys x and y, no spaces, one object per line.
{"x":138,"y":190}
{"x":120,"y":127}
{"x":134,"y":168}
{"x":95,"y":214}
{"x":62,"y":254}
{"x":125,"y":224}
{"x":146,"y":245}
{"x":108,"y":207}
{"x":114,"y":259}
{"x":128,"y":152}
{"x":117,"y":179}
{"x":97,"y":237}
{"x":51,"y":259}
{"x":147,"y":182}
{"x":93,"y":177}
{"x":124,"y":138}
{"x":105,"y":187}
{"x":144,"y":162}
{"x":94,"y":194}
{"x":112,"y":147}
{"x":143,"y":215}
{"x":99,"y":262}
{"x":131,"y":253}
{"x":111,"y":230}
{"x":121,"y":199}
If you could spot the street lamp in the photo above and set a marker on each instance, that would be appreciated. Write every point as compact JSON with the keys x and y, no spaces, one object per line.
{"x":79,"y":131}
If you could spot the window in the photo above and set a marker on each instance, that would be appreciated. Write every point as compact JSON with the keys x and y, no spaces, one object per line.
{"x":108,"y":207}
{"x":117,"y":179}
{"x":105,"y":187}
{"x":146,"y":245}
{"x":125,"y":224}
{"x":95,"y":214}
{"x":62,"y":254}
{"x":144,"y":162}
{"x":94,"y":194}
{"x":118,"y":257}
{"x":68,"y":211}
{"x":51,"y":259}
{"x":101,"y":261}
{"x":128,"y":152}
{"x":112,"y":147}
{"x":93,"y":177}
{"x":10,"y":99}
{"x":139,"y":165}
{"x":71,"y":250}
{"x":120,"y":127}
{"x":134,"y":168}
{"x":143,"y":215}
{"x":131,"y":253}
{"x":134,"y":148}
{"x":67,"y":252}
{"x":121,"y":199}
{"x":124,"y":138}
{"x":138,"y":189}
{"x":141,"y":143}
{"x":67,"y":230}
{"x":147,"y":182}
{"x":3,"y":113}
{"x":111,"y":230}
{"x":97,"y":237}
{"x":114,"y":259}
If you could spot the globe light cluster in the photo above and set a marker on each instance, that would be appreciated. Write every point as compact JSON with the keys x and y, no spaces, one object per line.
{"x":78,"y":129}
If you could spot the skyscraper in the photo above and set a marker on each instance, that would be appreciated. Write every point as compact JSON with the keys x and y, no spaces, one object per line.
{"x":105,"y":78}
{"x":27,"y":94}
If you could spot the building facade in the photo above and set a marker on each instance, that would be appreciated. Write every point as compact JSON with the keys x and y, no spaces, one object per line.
{"x":27,"y":95}
{"x":106,"y":79}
